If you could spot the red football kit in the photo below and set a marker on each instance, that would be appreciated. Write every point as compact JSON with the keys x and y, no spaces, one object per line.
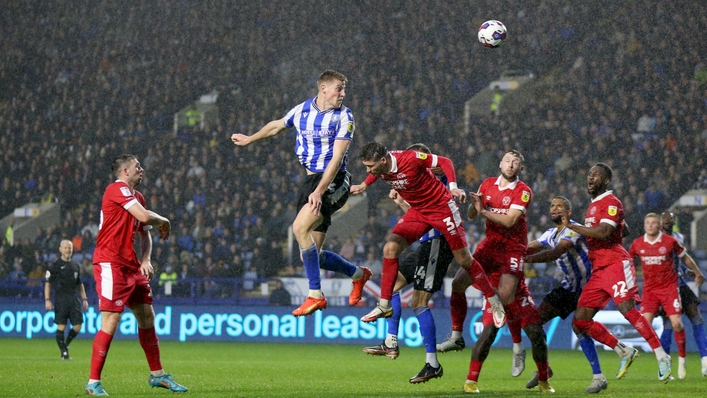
{"x":529,"y":312}
{"x":613,"y":274}
{"x":504,"y":247}
{"x":431,"y":203}
{"x":116,"y":266}
{"x":660,"y":280}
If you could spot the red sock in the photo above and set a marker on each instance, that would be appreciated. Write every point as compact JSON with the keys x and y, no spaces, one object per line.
{"x":597,"y":331}
{"x":474,"y":370}
{"x":514,"y":328}
{"x":101,"y":345}
{"x":458,"y":309}
{"x":151,"y":345}
{"x":643,"y":327}
{"x":388,"y":277}
{"x":680,"y":339}
{"x":542,"y":371}
{"x":481,"y":281}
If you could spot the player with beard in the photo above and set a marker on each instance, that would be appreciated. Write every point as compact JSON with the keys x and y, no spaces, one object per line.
{"x":432,"y":205}
{"x":613,"y":274}
{"x":123,"y":279}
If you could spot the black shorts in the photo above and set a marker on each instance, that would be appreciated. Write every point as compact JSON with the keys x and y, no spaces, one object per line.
{"x":68,"y":310}
{"x":565,"y":302}
{"x":428,"y":264}
{"x":333,"y":199}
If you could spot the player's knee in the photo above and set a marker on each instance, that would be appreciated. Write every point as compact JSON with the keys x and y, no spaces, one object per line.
{"x":697,"y":319}
{"x":581,"y":325}
{"x":461,"y":282}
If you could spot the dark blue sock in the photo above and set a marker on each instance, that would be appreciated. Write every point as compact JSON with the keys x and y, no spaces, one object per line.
{"x":310,"y":258}
{"x":427,"y":328}
{"x":698,"y":331}
{"x":666,"y":338}
{"x":331,"y":261}
{"x":394,"y":320}
{"x":590,"y":351}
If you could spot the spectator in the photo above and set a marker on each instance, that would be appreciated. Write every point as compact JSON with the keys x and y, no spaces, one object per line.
{"x":168,"y":280}
{"x":280,"y":296}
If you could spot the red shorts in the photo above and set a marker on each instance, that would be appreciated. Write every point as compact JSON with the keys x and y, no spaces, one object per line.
{"x":119,"y":286}
{"x":446,"y":220}
{"x":524,"y":300}
{"x":616,"y":281}
{"x":668,"y":297}
{"x":494,"y":258}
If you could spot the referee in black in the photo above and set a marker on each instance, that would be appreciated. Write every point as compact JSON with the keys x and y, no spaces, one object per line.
{"x":63,"y":275}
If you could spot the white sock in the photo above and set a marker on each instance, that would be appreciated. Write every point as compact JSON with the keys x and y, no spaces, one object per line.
{"x":431,"y":358}
{"x":599,"y":376}
{"x":456,"y":334}
{"x":660,"y":353}
{"x":157,"y":373}
{"x":518,"y":348}
{"x":91,"y":381}
{"x":384,"y":303}
{"x":358,"y":274}
{"x":315,"y":293}
{"x":391,"y":341}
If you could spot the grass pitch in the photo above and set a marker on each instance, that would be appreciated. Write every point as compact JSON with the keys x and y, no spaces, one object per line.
{"x":32,"y":368}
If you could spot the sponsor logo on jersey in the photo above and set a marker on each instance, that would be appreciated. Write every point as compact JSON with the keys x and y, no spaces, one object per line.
{"x":525,"y":197}
{"x":125,"y":191}
{"x":350,"y":128}
{"x":304,"y":114}
{"x":613,"y":210}
{"x":652,"y":260}
{"x":421,"y":155}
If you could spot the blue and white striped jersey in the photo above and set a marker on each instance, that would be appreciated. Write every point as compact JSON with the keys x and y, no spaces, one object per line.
{"x":574,"y":263}
{"x":679,"y":265}
{"x":316,"y":132}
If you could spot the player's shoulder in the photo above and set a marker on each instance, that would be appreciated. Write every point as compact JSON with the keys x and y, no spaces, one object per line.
{"x":522,"y":186}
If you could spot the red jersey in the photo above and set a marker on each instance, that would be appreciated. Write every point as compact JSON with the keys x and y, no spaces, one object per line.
{"x":516,"y":195}
{"x":117,"y":228}
{"x":410,"y":175}
{"x":606,"y":208}
{"x":657,"y":260}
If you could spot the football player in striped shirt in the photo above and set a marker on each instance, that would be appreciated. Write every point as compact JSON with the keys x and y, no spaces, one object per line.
{"x":324,"y":130}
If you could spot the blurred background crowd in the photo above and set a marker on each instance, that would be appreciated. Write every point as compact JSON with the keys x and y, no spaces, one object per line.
{"x":82,"y":81}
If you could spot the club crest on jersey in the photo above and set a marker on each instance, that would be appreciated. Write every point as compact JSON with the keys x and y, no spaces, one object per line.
{"x":335,"y":119}
{"x":421,"y":155}
{"x":506,"y":200}
{"x":592,"y":210}
{"x":525,"y":197}
{"x":662,"y":250}
{"x":125,"y":191}
{"x":613,"y":210}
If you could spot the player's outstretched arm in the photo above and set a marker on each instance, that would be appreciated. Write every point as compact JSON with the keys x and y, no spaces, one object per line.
{"x":358,"y":189}
{"x":475,"y":206}
{"x":549,"y":255}
{"x":273,"y":128}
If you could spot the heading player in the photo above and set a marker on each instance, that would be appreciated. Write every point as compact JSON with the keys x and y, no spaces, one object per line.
{"x":432,"y":205}
{"x":324,"y":130}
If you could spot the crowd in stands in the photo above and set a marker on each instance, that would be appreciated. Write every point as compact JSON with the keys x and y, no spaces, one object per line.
{"x":83,"y":81}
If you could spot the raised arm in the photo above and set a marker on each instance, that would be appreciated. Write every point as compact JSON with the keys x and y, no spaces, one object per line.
{"x":273,"y":128}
